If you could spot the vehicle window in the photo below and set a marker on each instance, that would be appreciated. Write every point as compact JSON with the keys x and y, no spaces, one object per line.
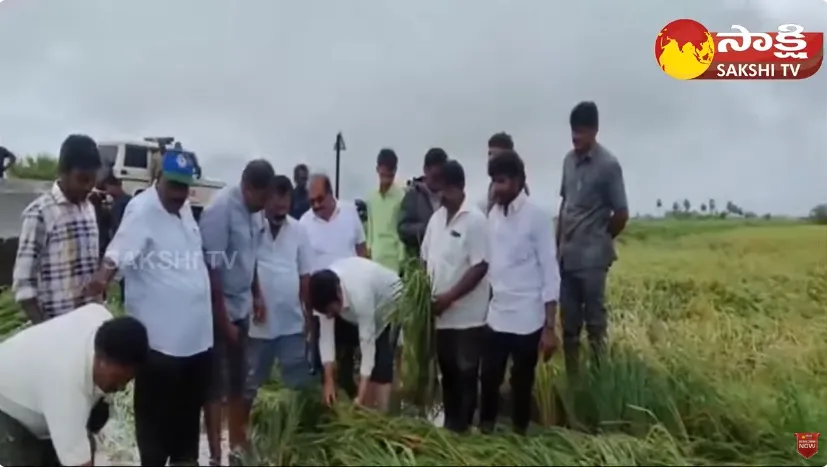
{"x":136,"y":157}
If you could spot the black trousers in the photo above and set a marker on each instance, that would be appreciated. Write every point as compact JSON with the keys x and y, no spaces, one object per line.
{"x":522,"y":350}
{"x":169,"y":394}
{"x":458,"y":357}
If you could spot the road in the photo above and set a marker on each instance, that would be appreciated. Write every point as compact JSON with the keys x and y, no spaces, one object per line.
{"x":15,"y":195}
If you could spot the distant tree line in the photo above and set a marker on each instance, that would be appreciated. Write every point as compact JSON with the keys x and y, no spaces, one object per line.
{"x":42,"y":166}
{"x":709,"y":208}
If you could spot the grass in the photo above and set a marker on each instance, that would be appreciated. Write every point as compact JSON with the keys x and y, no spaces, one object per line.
{"x":717,"y":357}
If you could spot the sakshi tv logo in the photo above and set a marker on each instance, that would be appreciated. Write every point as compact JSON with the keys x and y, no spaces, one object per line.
{"x":685,"y":49}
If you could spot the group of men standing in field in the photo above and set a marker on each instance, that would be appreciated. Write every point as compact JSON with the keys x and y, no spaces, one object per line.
{"x":272,"y":270}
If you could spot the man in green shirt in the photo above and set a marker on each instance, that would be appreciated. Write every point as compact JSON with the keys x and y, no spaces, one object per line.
{"x":383,"y":213}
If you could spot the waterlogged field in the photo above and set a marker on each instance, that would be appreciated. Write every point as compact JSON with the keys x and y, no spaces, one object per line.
{"x":718,"y":357}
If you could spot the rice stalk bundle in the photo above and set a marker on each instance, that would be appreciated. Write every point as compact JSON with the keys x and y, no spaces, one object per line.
{"x":12,"y":317}
{"x":545,"y":393}
{"x":413,"y":316}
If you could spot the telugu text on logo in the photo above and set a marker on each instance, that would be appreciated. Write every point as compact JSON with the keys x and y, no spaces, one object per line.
{"x":685,"y":50}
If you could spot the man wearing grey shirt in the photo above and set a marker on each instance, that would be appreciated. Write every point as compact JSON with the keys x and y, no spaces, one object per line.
{"x":231,"y":232}
{"x":593,"y":212}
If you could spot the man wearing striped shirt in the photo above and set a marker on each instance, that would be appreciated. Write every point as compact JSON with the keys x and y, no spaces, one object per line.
{"x":58,"y":249}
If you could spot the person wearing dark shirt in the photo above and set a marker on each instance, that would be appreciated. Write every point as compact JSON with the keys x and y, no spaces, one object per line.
{"x":300,"y":202}
{"x":120,"y":198}
{"x":7,"y":159}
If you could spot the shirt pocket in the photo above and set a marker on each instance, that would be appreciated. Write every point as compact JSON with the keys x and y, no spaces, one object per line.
{"x":453,"y":247}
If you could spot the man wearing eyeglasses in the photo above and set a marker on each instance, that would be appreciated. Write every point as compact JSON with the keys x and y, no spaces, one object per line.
{"x":334,"y":232}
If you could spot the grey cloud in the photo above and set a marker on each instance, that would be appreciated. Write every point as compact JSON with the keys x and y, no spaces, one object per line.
{"x":249,"y":78}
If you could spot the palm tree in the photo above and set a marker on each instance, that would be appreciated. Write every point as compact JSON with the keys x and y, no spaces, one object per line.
{"x":712,"y":205}
{"x":686,"y":205}
{"x":676,"y":207}
{"x":703,"y":207}
{"x":659,"y":204}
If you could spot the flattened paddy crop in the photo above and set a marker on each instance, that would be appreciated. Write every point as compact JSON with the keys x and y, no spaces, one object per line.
{"x":718,"y":356}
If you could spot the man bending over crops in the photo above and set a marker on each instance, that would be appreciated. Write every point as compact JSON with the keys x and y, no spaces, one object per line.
{"x":53,"y":378}
{"x":456,"y":254}
{"x":593,"y":212}
{"x":59,"y":242}
{"x":158,"y":251}
{"x":525,"y":282}
{"x":335,"y":232}
{"x":232,"y":228}
{"x":358,"y":293}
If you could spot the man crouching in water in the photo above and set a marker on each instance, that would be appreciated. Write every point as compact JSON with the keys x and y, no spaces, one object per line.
{"x":53,"y":378}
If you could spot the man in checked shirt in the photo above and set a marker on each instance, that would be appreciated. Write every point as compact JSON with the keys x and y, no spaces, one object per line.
{"x":58,"y":248}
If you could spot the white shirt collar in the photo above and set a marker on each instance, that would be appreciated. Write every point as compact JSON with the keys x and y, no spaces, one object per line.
{"x":515,"y":205}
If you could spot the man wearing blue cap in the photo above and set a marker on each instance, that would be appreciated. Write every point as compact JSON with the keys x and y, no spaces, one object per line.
{"x":159,"y":252}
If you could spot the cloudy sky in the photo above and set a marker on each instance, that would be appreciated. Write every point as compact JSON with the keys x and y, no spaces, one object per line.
{"x":238,"y":79}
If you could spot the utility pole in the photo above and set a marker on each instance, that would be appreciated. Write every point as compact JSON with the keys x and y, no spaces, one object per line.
{"x":338,"y":147}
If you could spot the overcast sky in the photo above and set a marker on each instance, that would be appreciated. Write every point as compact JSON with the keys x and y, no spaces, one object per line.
{"x":241,"y":79}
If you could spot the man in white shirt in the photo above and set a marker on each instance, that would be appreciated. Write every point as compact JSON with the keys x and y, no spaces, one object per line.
{"x":283,"y":263}
{"x":158,"y":251}
{"x":455,"y":250}
{"x":525,"y":283}
{"x":361,"y":293}
{"x":334,"y":231}
{"x":53,"y":377}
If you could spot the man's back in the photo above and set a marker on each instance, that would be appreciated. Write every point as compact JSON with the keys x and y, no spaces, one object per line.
{"x":54,"y":354}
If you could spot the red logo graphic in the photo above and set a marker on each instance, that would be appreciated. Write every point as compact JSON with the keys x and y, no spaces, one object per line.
{"x":807,"y":444}
{"x":685,"y":49}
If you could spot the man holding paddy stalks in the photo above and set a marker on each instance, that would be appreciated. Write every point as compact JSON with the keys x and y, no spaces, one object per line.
{"x":525,"y":283}
{"x":456,"y":254}
{"x":362,"y":293}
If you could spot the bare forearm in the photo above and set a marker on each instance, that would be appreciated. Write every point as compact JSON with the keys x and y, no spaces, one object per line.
{"x":33,"y":311}
{"x":551,"y":314}
{"x":618,"y":223}
{"x":256,"y":288}
{"x":468,"y":281}
{"x":559,"y":231}
{"x":219,"y":308}
{"x":330,"y":373}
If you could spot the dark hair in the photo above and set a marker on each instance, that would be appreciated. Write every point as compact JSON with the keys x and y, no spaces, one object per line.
{"x":258,"y":174}
{"x":387,"y":159}
{"x":501,"y":140}
{"x":324,"y":289}
{"x":328,"y":187}
{"x":453,"y":175}
{"x":300,"y":167}
{"x":111,"y":180}
{"x":123,"y":340}
{"x":6,"y":153}
{"x":435,"y":157}
{"x":78,"y":152}
{"x":508,"y":164}
{"x":584,"y":115}
{"x":282,"y":185}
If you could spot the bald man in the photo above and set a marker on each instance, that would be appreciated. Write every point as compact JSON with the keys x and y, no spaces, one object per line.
{"x":334,"y":231}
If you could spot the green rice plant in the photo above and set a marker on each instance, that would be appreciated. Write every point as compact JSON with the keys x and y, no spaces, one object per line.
{"x":414,"y":318}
